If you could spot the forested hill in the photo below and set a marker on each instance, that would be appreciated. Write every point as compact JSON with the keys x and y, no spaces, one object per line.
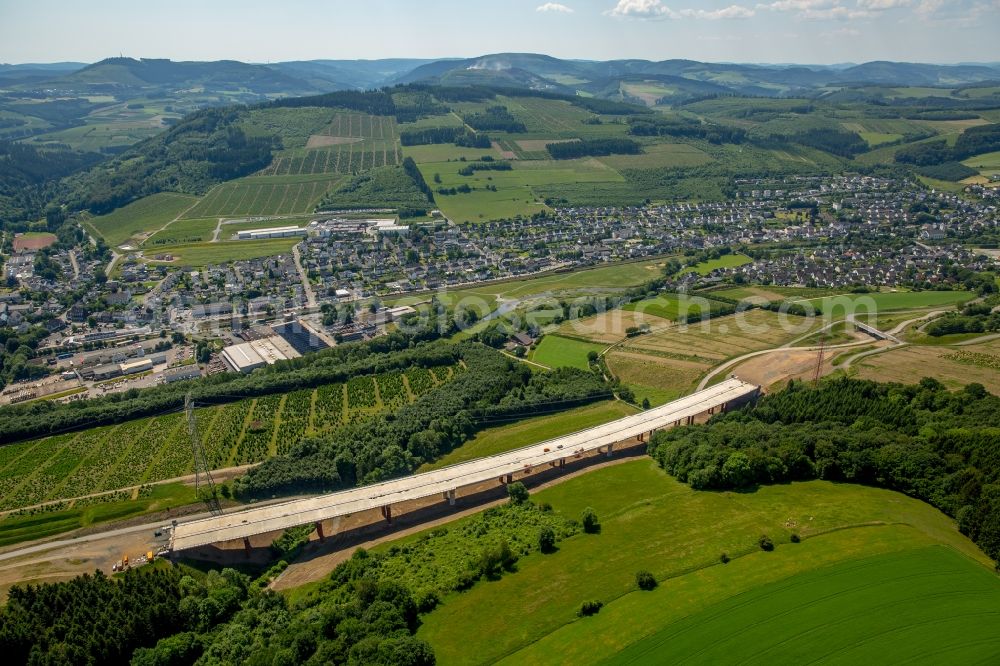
{"x":940,"y":446}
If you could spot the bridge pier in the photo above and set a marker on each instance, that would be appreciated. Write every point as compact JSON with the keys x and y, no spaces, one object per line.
{"x":387,"y":513}
{"x":319,"y":531}
{"x":509,"y":478}
{"x":246,"y":545}
{"x":450,"y":496}
{"x":562,"y":462}
{"x":611,"y":447}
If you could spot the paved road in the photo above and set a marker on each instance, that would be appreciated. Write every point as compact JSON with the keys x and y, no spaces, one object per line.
{"x":446,"y":480}
{"x":310,"y":296}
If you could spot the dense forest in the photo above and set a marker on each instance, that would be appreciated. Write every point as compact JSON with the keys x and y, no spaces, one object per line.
{"x":684,"y":127}
{"x":162,"y":617}
{"x":205,"y":148}
{"x":974,"y":140}
{"x":567,"y":150}
{"x":28,"y":176}
{"x":494,"y":119}
{"x":459,"y":136}
{"x":836,"y":142}
{"x":92,"y":619}
{"x":922,"y":440}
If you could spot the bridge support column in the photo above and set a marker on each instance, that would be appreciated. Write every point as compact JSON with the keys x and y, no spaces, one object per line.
{"x":562,"y":462}
{"x":319,"y":531}
{"x":509,"y":478}
{"x":387,"y":513}
{"x":246,"y":545}
{"x":611,"y":447}
{"x":451,"y":497}
{"x":724,"y":408}
{"x":641,"y":436}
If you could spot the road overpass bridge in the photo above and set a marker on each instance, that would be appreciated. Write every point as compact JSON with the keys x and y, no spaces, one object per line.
{"x":872,"y":331}
{"x":446,"y":481}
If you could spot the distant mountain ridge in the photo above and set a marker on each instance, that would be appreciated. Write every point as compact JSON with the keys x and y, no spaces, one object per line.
{"x":612,"y":78}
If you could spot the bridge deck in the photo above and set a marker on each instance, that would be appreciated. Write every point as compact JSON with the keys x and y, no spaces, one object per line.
{"x":277,"y":517}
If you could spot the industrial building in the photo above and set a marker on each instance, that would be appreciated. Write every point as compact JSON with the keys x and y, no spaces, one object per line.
{"x":138,"y":365}
{"x":179,"y":374}
{"x":388,"y":227}
{"x":273,"y":232}
{"x":248,"y":356}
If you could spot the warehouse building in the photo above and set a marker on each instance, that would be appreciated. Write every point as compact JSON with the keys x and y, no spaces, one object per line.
{"x":248,"y":356}
{"x":273,"y":232}
{"x":179,"y":374}
{"x":139,"y":365}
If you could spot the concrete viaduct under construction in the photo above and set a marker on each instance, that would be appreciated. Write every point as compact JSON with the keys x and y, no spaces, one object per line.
{"x":445,"y":482}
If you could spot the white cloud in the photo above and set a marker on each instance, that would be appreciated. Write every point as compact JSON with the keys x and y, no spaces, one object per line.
{"x":641,"y":9}
{"x":554,"y":7}
{"x":655,"y":9}
{"x":822,"y":10}
{"x":882,"y":5}
{"x":730,"y":12}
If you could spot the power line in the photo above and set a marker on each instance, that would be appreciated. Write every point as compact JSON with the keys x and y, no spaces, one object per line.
{"x":202,"y":473}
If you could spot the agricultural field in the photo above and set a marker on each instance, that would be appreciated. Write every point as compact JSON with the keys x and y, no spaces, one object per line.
{"x":557,"y":119}
{"x":258,"y":195}
{"x":771,"y":293}
{"x":660,"y":156}
{"x":953,"y":366}
{"x":717,"y":339}
{"x":140,"y":218}
{"x":201,"y":254}
{"x":153,"y":449}
{"x":654,"y":378}
{"x":651,"y":522}
{"x":987,"y":163}
{"x":347,"y":143}
{"x":839,"y":306}
{"x":673,"y":306}
{"x":515,"y":189}
{"x":183,"y":231}
{"x":28,"y":527}
{"x":725,"y":261}
{"x":507,"y":436}
{"x":612,"y":326}
{"x":443,"y":152}
{"x":555,"y":351}
{"x":874,"y":606}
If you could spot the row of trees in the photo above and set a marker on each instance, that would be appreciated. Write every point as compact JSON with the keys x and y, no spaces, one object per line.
{"x":683,"y":127}
{"x":567,"y":150}
{"x":411,"y":170}
{"x":922,"y":440}
{"x":494,"y":119}
{"x":459,"y":136}
{"x":340,"y":363}
{"x":972,"y":318}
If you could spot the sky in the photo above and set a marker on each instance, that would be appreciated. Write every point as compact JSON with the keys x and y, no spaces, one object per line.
{"x":774,"y":31}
